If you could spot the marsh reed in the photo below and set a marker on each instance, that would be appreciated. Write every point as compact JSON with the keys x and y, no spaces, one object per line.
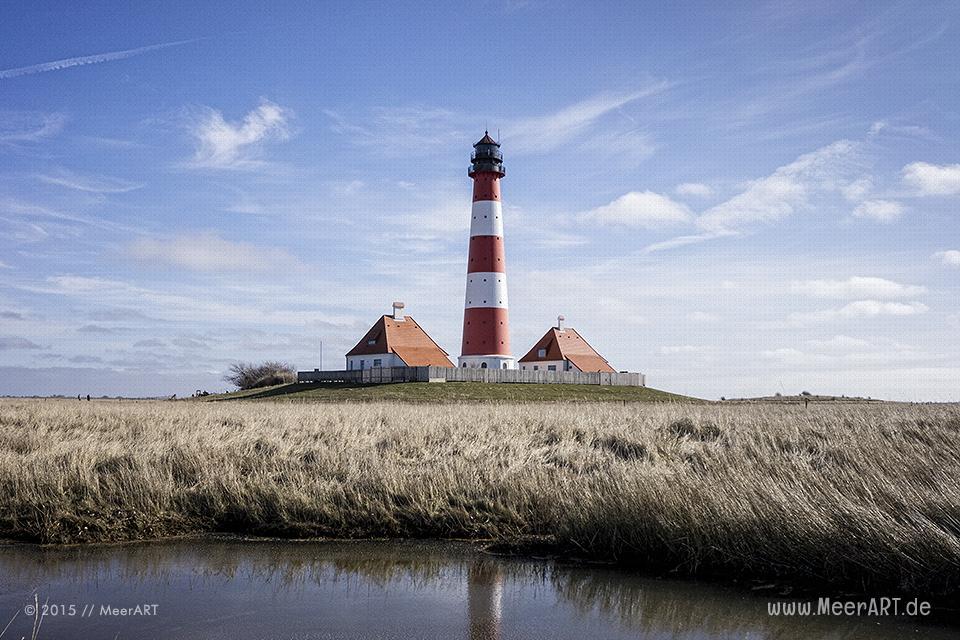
{"x":866,"y":496}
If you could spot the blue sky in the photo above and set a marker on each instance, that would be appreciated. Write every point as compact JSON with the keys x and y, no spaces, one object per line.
{"x":733,"y":201}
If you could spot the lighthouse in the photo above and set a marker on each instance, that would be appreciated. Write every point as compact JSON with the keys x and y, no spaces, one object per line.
{"x":486,"y":326}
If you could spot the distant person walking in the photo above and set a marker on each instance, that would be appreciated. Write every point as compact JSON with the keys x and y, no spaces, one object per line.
{"x":88,"y":397}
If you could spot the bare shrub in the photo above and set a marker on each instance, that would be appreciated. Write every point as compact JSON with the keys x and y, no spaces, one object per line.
{"x":245,"y":375}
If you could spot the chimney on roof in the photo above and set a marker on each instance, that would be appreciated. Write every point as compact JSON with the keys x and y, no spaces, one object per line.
{"x":398,"y":311}
{"x":560,"y":320}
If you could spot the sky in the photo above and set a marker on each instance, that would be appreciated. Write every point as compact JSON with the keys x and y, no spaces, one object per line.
{"x":734,"y":201}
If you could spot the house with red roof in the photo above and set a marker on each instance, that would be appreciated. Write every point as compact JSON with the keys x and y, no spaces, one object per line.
{"x":396,"y":341}
{"x":563,"y":349}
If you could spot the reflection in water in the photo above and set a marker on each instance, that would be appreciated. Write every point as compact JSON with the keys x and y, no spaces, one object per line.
{"x":484,"y":600}
{"x":224,"y":588}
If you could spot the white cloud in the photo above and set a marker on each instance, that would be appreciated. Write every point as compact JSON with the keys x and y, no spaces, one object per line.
{"x":225,"y":145}
{"x":209,"y":252}
{"x":857,"y":287}
{"x":9,"y":343}
{"x":859,"y":309}
{"x":90,"y":184}
{"x":4,"y":265}
{"x":932,"y":179}
{"x":950,"y":258}
{"x":855,"y":190}
{"x":29,"y":126}
{"x":644,"y":209}
{"x":551,"y":239}
{"x":545,"y":133}
{"x":625,"y":149}
{"x":682,"y":241}
{"x":66,"y":63}
{"x":409,"y":129}
{"x":448,"y":214}
{"x":839,"y":343}
{"x":787,"y":189}
{"x":702,"y":316}
{"x":879,"y":210}
{"x":794,"y":357}
{"x":257,"y":305}
{"x":680,"y":348}
{"x":846,"y":351}
{"x":694,"y":189}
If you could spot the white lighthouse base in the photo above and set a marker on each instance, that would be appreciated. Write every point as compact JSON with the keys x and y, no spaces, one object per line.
{"x":487,"y":362}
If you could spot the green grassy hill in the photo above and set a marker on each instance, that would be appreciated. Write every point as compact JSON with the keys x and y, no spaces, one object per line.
{"x":453,"y":392}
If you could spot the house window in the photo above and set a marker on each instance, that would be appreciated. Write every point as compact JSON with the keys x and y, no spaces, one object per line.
{"x":551,"y":367}
{"x":372,"y":342}
{"x":362,"y":362}
{"x":377,"y":362}
{"x":483,"y":365}
{"x":464,"y":365}
{"x":536,"y":368}
{"x":504,"y":365}
{"x":541,"y":353}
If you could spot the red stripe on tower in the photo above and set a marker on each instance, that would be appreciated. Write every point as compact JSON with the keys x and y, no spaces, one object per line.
{"x":486,"y":328}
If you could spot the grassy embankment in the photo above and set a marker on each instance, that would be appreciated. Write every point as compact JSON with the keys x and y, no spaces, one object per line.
{"x":441,"y":393}
{"x":864,"y":496}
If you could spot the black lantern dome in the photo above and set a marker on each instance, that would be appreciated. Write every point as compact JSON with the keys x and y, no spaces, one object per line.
{"x":486,"y":157}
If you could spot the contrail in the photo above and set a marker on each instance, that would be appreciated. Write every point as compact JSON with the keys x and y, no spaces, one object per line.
{"x":66,"y":63}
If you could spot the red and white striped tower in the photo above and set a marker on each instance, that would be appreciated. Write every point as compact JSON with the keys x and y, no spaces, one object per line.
{"x":486,"y":329}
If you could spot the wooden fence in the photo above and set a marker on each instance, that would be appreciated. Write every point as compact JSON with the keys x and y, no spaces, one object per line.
{"x":383,"y":375}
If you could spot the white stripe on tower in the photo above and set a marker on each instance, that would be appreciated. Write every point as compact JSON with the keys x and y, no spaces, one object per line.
{"x":487,"y":219}
{"x":486,"y":289}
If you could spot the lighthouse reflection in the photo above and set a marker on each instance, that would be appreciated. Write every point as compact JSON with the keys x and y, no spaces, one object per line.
{"x":484,"y":600}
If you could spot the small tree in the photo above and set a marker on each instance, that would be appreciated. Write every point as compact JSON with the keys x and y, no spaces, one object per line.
{"x":244,"y":375}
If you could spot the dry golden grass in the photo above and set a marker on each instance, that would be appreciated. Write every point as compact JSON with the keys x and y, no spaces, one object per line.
{"x":861,"y":495}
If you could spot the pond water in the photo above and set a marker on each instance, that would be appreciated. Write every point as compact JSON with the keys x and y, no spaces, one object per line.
{"x":233,"y":589}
